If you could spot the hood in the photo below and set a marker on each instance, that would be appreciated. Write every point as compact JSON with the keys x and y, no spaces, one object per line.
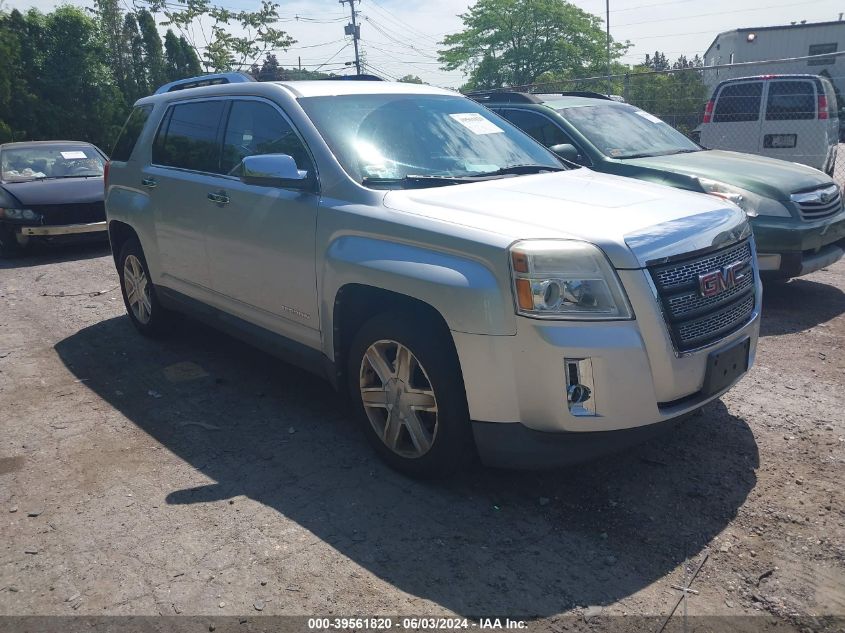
{"x":56,"y":191}
{"x":767,"y":177}
{"x":633,"y":222}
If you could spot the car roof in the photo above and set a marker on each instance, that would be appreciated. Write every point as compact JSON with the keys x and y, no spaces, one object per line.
{"x":567,"y":101}
{"x":769,"y":77}
{"x":25,"y":144}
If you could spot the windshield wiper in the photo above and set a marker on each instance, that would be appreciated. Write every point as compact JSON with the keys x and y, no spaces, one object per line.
{"x":413,"y":180}
{"x":516,"y":170}
{"x":670,"y":152}
{"x":431,"y":180}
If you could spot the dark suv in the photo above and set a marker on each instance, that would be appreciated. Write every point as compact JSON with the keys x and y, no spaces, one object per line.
{"x":796,"y":211}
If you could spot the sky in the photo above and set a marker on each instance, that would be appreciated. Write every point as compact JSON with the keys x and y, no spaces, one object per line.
{"x":400,"y":37}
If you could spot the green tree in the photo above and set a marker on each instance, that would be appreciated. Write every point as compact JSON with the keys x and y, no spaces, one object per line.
{"x":193,"y":66}
{"x":174,"y":58}
{"x":137,"y":84}
{"x":209,"y":31}
{"x":411,"y":79}
{"x":110,"y":21}
{"x":151,"y":44}
{"x":513,"y":42}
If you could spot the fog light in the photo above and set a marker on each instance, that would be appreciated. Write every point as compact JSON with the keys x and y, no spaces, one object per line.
{"x":580,"y":390}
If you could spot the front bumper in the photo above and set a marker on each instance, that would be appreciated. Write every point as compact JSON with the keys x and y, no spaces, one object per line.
{"x":66,"y":229}
{"x":639,"y":380}
{"x":787,"y":247}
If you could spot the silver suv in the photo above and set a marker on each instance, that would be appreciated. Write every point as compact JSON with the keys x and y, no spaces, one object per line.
{"x":467,"y":288}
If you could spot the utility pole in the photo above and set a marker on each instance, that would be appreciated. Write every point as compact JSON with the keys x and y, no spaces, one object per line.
{"x":354,"y":30}
{"x":607,"y":24}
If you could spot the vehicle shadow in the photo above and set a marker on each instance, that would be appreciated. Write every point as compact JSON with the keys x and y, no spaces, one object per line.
{"x":41,"y":254}
{"x":483,"y":542}
{"x":799,"y":305}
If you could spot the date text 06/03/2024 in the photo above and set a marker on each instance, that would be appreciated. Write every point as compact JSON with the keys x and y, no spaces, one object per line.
{"x":414,"y":624}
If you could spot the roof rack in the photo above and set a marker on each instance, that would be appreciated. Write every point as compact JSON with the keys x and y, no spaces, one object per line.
{"x":205,"y":80}
{"x":585,"y":93}
{"x":502,"y":95}
{"x":352,"y":78}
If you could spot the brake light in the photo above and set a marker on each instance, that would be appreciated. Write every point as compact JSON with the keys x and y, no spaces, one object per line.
{"x":823,"y":111}
{"x":708,"y":111}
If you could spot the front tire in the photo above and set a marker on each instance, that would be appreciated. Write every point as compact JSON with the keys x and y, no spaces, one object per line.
{"x":139,"y":295}
{"x":406,"y":386}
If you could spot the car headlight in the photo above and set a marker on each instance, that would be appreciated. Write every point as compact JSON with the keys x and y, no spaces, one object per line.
{"x":566,"y":279}
{"x":750,"y":202}
{"x":18,"y":214}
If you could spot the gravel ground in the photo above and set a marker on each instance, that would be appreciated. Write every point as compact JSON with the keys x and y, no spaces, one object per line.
{"x":200,"y":476}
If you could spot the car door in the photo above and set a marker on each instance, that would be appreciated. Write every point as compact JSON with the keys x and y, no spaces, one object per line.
{"x":736,"y":118}
{"x":261,"y":238}
{"x":541,"y":128}
{"x":791,"y":130}
{"x":185,"y":157}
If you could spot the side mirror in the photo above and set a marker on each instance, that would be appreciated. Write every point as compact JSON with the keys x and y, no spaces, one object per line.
{"x":273,"y":170}
{"x":566,"y":152}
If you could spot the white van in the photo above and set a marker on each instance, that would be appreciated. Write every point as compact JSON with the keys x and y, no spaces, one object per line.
{"x":791,"y":117}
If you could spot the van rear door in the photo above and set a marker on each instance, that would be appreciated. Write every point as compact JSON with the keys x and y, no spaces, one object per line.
{"x":791,"y":129}
{"x":736,"y":118}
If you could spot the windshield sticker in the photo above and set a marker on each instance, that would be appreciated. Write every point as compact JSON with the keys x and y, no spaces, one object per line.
{"x":647,"y":116}
{"x":476,"y":123}
{"x":73,"y":155}
{"x":615,"y":152}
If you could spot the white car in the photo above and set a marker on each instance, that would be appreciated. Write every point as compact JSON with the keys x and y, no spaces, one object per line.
{"x":791,"y":117}
{"x":465,"y":287}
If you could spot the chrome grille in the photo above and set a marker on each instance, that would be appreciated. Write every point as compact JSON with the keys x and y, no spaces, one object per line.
{"x":818,"y":210}
{"x":673,"y":276}
{"x":694,"y":320}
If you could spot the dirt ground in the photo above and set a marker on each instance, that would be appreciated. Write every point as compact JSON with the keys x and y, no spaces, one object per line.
{"x":200,"y":476}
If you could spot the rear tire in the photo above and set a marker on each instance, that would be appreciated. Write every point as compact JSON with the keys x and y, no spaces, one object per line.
{"x":416,"y":415}
{"x":9,"y":245}
{"x":145,"y":311}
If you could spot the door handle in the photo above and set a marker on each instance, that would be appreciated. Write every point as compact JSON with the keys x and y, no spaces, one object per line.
{"x":219,"y":197}
{"x":150,"y":183}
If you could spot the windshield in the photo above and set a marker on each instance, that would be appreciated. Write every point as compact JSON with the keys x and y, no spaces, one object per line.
{"x":18,"y":164}
{"x":388,"y":137}
{"x":627,"y":132}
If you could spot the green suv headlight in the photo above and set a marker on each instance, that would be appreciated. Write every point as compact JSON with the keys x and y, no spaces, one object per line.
{"x":566,"y":279}
{"x":750,"y":202}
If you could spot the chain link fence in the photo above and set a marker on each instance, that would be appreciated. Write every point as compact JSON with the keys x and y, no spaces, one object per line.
{"x":799,"y":118}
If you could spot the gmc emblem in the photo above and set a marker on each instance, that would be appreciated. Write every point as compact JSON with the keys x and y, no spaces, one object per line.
{"x":712,"y":283}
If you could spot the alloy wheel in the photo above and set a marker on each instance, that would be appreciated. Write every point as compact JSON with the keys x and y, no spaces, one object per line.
{"x":398,"y":398}
{"x":137,"y":288}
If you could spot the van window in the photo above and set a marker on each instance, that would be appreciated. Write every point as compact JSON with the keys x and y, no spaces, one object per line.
{"x":258,"y":128}
{"x":739,"y":102}
{"x":791,"y":100}
{"x":188,"y":137}
{"x":537,"y":126}
{"x":822,"y":49}
{"x":131,"y":131}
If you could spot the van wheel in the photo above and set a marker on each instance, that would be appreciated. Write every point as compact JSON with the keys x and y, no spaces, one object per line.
{"x":10,"y":246}
{"x":139,"y":295}
{"x":406,"y":386}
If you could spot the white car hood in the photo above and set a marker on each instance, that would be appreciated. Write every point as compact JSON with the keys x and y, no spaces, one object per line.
{"x":633,"y":222}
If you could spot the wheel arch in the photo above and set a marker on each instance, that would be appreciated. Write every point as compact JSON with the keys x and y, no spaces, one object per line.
{"x":355,"y":303}
{"x":119,"y":234}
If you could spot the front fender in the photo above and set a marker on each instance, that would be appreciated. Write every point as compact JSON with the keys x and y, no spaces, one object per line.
{"x":465,"y":291}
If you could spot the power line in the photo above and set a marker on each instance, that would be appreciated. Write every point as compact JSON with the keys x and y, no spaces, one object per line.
{"x":704,"y":15}
{"x":342,"y":48}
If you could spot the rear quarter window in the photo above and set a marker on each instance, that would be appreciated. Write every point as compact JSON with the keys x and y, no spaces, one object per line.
{"x":130,"y":133}
{"x":739,"y":102}
{"x":790,"y":101}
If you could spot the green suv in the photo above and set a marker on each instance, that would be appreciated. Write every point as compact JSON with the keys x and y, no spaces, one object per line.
{"x":796,"y":211}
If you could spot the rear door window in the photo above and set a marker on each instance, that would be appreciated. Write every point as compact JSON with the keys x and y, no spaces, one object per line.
{"x":131,"y":131}
{"x":739,"y":102}
{"x":189,"y":137}
{"x":255,"y":127}
{"x":791,"y":100}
